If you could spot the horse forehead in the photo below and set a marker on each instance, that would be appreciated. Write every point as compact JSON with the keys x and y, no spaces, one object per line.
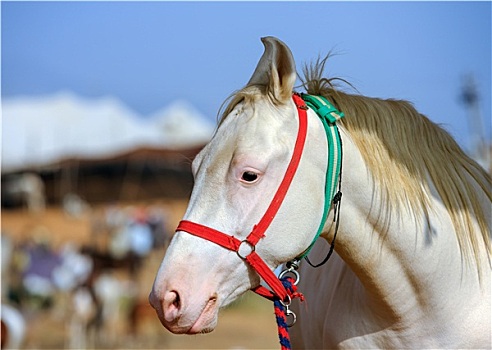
{"x":248,"y":130}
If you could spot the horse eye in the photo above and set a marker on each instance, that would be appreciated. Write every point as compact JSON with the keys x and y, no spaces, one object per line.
{"x":249,"y":176}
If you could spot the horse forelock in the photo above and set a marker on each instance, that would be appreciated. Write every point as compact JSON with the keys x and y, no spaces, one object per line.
{"x":250,"y":94}
{"x":402,"y":149}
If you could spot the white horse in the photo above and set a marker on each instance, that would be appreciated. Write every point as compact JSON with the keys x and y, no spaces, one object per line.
{"x":27,"y":189}
{"x":411,"y":267}
{"x":13,"y":327}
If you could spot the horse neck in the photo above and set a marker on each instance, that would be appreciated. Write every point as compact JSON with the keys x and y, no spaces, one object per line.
{"x":403,"y":261}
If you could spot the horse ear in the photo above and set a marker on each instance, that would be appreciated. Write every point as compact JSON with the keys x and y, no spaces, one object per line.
{"x":276,"y":70}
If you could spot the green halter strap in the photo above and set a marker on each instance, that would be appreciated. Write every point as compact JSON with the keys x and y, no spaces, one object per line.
{"x":328,"y":115}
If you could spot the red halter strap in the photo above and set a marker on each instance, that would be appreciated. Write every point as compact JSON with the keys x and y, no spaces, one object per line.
{"x":258,"y":232}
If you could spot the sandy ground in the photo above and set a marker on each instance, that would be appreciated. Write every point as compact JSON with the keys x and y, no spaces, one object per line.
{"x":248,"y":324}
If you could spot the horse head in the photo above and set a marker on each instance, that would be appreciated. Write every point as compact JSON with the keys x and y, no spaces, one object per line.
{"x":414,"y":237}
{"x":236,"y":177}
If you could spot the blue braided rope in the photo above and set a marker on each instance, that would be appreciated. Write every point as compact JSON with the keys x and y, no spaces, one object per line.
{"x":281,"y":317}
{"x":283,"y":330}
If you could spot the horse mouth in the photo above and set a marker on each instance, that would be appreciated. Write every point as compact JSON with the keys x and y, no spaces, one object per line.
{"x":186,"y":323}
{"x":207,"y":321}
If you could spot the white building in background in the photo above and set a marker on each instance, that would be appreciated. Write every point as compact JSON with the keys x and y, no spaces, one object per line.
{"x":41,"y":130}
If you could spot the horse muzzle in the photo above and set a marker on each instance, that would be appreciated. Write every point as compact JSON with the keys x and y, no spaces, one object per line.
{"x":180,"y":314}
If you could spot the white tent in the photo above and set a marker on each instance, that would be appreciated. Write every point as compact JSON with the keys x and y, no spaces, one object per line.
{"x":37,"y":131}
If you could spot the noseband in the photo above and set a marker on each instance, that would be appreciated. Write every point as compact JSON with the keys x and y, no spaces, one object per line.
{"x":245,"y":249}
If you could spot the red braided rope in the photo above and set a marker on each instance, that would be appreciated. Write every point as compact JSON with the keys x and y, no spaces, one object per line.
{"x":281,"y":312}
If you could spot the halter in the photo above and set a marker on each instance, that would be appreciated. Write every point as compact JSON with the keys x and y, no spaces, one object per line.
{"x":329,"y":115}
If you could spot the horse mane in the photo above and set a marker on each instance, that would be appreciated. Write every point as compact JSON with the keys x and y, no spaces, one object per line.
{"x":419,"y":149}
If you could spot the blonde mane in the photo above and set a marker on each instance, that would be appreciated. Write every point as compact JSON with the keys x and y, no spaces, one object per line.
{"x":402,"y":149}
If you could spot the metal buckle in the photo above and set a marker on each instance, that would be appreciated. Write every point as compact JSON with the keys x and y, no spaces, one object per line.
{"x":288,"y":312}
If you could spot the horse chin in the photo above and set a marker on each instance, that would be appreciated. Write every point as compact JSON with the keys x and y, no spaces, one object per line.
{"x":185,"y":324}
{"x":199,"y":328}
{"x":207,"y":321}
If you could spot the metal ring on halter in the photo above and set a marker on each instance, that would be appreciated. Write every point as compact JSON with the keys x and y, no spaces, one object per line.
{"x":294,"y":272}
{"x":251,"y":247}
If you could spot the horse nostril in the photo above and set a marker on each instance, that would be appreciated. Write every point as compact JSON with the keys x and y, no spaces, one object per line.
{"x":171,"y":305}
{"x":177,"y":300}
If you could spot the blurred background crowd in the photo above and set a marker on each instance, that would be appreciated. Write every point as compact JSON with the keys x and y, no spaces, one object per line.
{"x":92,"y":286}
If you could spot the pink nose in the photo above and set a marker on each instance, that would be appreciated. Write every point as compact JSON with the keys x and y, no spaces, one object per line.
{"x":167,"y":307}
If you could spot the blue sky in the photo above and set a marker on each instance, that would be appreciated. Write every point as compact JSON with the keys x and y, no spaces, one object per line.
{"x":149,"y":54}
